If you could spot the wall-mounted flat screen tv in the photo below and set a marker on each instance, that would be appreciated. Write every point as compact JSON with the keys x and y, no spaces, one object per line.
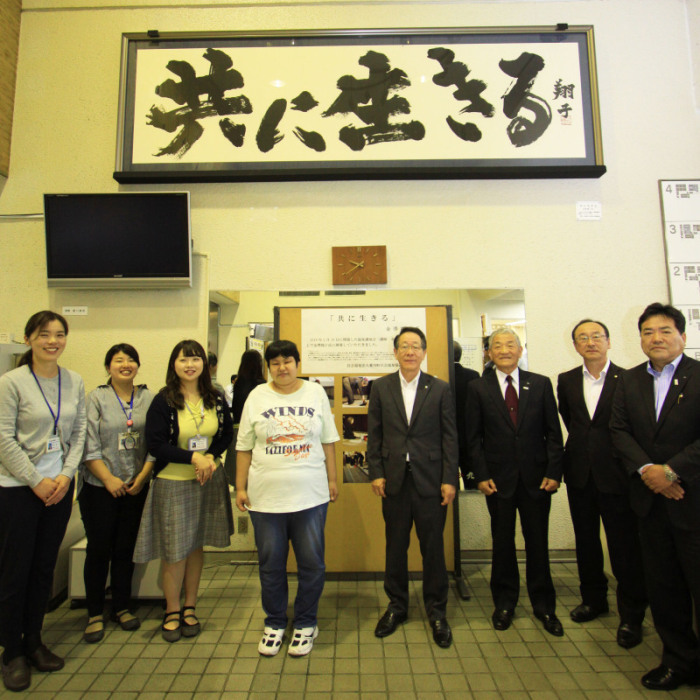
{"x":132,"y":240}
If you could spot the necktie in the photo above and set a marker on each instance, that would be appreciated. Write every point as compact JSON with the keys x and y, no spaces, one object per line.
{"x":512,"y":400}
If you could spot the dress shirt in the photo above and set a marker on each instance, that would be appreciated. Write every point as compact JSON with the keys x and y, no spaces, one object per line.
{"x":408,"y":392}
{"x":503,"y":382}
{"x":592,"y":387}
{"x":662,"y":382}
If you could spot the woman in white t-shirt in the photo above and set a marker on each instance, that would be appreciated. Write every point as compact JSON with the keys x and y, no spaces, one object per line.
{"x":285,"y":477}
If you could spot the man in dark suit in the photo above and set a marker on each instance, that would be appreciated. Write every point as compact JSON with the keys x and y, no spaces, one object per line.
{"x":515,"y":445}
{"x":655,"y":426}
{"x":463,"y":376}
{"x":598,"y":487}
{"x":412,"y":458}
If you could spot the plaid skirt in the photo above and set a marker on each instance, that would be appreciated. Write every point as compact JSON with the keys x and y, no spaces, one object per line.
{"x":181,"y":516}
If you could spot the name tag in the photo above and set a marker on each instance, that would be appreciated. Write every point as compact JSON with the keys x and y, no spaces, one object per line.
{"x":53,"y":444}
{"x":195,"y":444}
{"x":128,"y":441}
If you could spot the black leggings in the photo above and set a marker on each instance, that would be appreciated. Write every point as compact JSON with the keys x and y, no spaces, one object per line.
{"x":30,"y":536}
{"x":111,"y":526}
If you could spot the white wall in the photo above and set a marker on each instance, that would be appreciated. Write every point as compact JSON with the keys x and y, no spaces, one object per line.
{"x":440,"y":234}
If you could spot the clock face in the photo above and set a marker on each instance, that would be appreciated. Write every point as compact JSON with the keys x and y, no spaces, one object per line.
{"x":364,"y":264}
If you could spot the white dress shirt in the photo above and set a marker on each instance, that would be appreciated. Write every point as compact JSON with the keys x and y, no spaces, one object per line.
{"x":592,"y":387}
{"x":503,"y":381}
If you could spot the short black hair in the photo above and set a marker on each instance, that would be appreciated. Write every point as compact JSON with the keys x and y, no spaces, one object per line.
{"x":589,"y":320}
{"x":127,"y":349}
{"x":283,"y":348}
{"x":457,"y":350}
{"x":411,"y":329}
{"x":212,"y":359}
{"x":659,"y":309}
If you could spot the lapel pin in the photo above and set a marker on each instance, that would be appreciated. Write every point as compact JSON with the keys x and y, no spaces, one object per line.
{"x":675,"y":382}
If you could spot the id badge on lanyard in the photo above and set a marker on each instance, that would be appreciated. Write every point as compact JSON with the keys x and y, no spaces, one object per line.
{"x":53,"y":443}
{"x":198,"y":442}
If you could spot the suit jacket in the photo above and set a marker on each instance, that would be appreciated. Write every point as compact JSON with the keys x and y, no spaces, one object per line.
{"x":503,"y":452}
{"x":430,"y":438}
{"x":462,"y":378}
{"x":588,"y":449}
{"x":674,"y":439}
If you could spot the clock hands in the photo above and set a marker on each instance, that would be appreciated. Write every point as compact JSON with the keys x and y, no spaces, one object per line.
{"x":356,"y":266}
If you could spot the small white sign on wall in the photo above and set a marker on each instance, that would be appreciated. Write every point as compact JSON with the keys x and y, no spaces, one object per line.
{"x":589,"y":211}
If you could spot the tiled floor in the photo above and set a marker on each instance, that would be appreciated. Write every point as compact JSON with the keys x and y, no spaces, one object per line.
{"x":347,"y":660}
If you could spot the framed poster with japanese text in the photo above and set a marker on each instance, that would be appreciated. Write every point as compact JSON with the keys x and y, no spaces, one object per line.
{"x":359,"y":104}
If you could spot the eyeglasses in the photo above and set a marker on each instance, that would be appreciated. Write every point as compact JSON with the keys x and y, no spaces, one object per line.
{"x":416,"y":347}
{"x":596,"y":338}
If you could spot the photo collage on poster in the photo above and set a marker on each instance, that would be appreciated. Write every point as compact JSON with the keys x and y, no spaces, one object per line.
{"x":356,"y":397}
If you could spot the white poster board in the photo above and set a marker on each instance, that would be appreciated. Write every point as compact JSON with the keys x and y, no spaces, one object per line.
{"x":680,"y":208}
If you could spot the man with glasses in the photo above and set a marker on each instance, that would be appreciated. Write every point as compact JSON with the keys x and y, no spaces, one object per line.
{"x":412,"y":457}
{"x":655,"y":426}
{"x":598,"y":487}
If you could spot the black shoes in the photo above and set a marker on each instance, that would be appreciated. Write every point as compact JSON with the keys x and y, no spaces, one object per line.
{"x":442,"y":634}
{"x":551,"y":624}
{"x":586,"y":613}
{"x":665,"y":678}
{"x":501,"y":619}
{"x":16,"y":674}
{"x":388,"y":623}
{"x":44,"y":660}
{"x":629,"y":636}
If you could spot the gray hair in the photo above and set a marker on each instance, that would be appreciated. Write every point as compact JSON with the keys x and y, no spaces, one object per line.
{"x":505,"y":331}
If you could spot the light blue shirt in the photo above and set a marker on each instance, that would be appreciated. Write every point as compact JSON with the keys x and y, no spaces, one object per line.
{"x":662,"y":382}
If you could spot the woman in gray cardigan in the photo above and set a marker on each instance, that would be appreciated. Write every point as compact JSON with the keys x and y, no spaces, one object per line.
{"x":42,"y":434}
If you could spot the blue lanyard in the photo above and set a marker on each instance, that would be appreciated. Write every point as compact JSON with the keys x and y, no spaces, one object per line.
{"x":129,"y":422}
{"x":56,"y":415}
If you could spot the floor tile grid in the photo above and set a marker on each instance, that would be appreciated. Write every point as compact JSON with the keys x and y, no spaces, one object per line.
{"x":348,"y":661}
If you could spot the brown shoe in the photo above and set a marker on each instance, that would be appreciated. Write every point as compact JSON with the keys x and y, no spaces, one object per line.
{"x":45,"y":660}
{"x":16,"y":674}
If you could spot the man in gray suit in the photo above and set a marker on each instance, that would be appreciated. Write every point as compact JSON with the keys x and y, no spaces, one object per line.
{"x":412,"y":455}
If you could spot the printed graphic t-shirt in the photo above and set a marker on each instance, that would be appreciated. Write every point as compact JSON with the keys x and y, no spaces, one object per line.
{"x":285,"y":433}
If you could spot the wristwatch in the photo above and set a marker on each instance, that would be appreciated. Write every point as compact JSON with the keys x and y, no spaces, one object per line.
{"x":670,"y":474}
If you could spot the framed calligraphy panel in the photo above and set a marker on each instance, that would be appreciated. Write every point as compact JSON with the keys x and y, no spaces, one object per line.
{"x":359,"y":104}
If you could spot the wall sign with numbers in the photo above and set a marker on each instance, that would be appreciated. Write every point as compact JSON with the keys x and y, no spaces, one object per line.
{"x":680,"y":207}
{"x":455,"y":102}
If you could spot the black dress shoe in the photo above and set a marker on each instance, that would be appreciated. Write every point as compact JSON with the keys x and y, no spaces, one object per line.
{"x":45,"y":660}
{"x":16,"y":674}
{"x":388,"y":623}
{"x":628,"y":635}
{"x":501,"y":619}
{"x":442,"y":634}
{"x":586,"y":613}
{"x":551,"y":624}
{"x":665,"y":678}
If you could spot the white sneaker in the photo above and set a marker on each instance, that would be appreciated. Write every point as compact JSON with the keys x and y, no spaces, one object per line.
{"x":271,"y":641}
{"x":302,"y":641}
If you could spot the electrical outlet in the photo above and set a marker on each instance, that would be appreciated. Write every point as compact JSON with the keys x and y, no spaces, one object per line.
{"x":242,"y":525}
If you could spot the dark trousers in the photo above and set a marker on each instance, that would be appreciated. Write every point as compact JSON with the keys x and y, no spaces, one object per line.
{"x":400,"y":512}
{"x":588,"y":506}
{"x":672,"y":571}
{"x":111,"y":526}
{"x":505,"y":577}
{"x":30,"y":536}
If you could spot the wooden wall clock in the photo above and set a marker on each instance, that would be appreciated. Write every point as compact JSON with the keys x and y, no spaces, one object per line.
{"x":359,"y":264}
